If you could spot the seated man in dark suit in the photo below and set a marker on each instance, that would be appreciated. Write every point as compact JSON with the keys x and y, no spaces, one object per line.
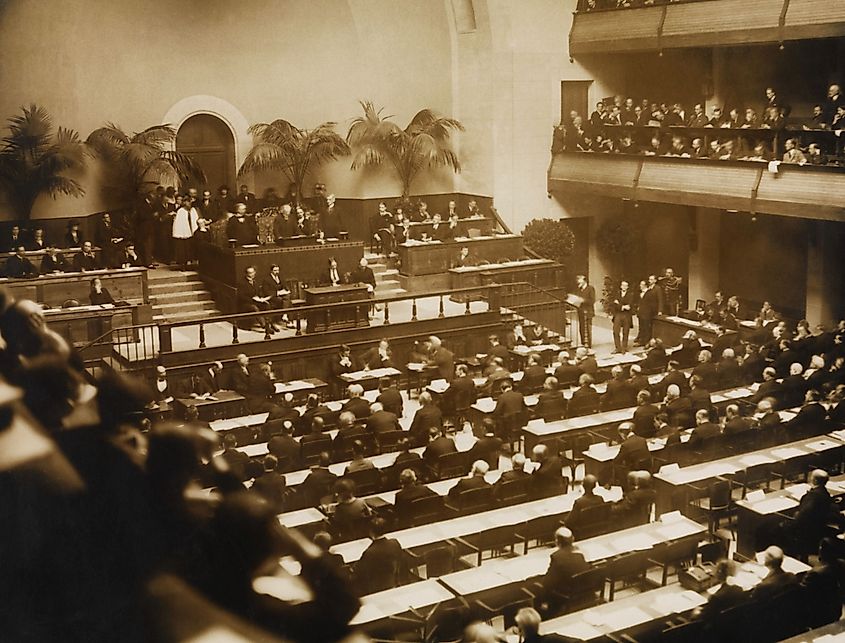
{"x":734,"y":422}
{"x":209,"y":382}
{"x":319,"y":482}
{"x":347,"y":432}
{"x":777,"y":579}
{"x":770,"y":387}
{"x":637,"y":502}
{"x":53,"y":262}
{"x":441,"y":357}
{"x":547,"y":479}
{"x":313,"y":408}
{"x":766,"y":417}
{"x":381,"y":421}
{"x":644,"y":415}
{"x":565,"y":562}
{"x":241,"y":229}
{"x":551,"y":402}
{"x":729,"y":371}
{"x":382,"y":565}
{"x":411,"y":490}
{"x":438,"y":445}
{"x":379,"y":356}
{"x":704,"y":429}
{"x":86,"y":260}
{"x":674,"y":375}
{"x":589,"y":499}
{"x":350,"y":510}
{"x":487,"y":447}
{"x":18,"y":266}
{"x":679,"y":409}
{"x":461,"y":393}
{"x":533,"y":376}
{"x":285,"y":448}
{"x":390,"y":397}
{"x":633,"y":451}
{"x":510,"y":405}
{"x":356,"y":404}
{"x":475,"y":480}
{"x":815,"y":510}
{"x":619,"y":393}
{"x":640,"y":382}
{"x":567,"y":372}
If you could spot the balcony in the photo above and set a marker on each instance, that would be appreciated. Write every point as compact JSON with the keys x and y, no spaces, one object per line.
{"x":809,"y":192}
{"x":704,"y":23}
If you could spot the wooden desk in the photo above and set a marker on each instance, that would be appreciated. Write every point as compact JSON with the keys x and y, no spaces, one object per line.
{"x":399,"y":600}
{"x":668,"y":482}
{"x":352,"y":316}
{"x":223,"y":268}
{"x":755,"y":514}
{"x":418,"y":258}
{"x":368,"y":376}
{"x":83,"y":324}
{"x":540,"y":272}
{"x":124,"y":284}
{"x":300,"y":388}
{"x":610,"y":618}
{"x":226,"y":404}
{"x":484,"y":225}
{"x":672,"y":329}
{"x":504,"y":571}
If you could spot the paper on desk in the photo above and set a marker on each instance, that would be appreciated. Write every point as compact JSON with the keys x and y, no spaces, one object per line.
{"x":415,"y":366}
{"x":674,"y":530}
{"x":753,"y":459}
{"x":670,"y":517}
{"x":822,"y":445}
{"x":485,"y":405}
{"x":634,"y":542}
{"x":438,"y":386}
{"x":773,"y":505}
{"x":797,"y":491}
{"x":675,"y":603}
{"x":596,"y":551}
{"x":579,"y":630}
{"x":628,"y":617}
{"x":785,"y":453}
{"x":839,"y":434}
{"x":334,"y":405}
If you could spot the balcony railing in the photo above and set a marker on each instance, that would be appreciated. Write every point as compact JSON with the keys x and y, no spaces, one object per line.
{"x":612,"y":26}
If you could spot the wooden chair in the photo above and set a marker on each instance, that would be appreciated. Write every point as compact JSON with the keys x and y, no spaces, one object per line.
{"x":680,"y":553}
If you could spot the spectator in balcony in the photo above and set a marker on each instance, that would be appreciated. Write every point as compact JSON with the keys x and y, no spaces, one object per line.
{"x":759,"y":153}
{"x":626,"y":144}
{"x":838,"y":122}
{"x":751,"y":120}
{"x":727,"y":151}
{"x":597,"y":118}
{"x":697,"y":149}
{"x":655,"y":147}
{"x":835,"y":100}
{"x":817,"y":120}
{"x":575,"y":135}
{"x":713,"y":151}
{"x":679,"y":147}
{"x":675,"y":117}
{"x":640,"y":116}
{"x":629,"y":114}
{"x":699,"y":117}
{"x":815,"y":156}
{"x":774,"y":101}
{"x":718,"y":118}
{"x":793,"y":154}
{"x":772,"y":119}
{"x":18,"y":266}
{"x":614,"y":117}
{"x":733,"y":120}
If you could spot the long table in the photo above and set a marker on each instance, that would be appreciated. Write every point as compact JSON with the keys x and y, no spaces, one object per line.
{"x":430,"y":258}
{"x":82,"y":324}
{"x":505,"y":571}
{"x":671,"y":329}
{"x":540,"y":272}
{"x":124,"y":284}
{"x":670,"y":481}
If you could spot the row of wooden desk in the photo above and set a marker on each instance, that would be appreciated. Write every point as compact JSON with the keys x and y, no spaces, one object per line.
{"x":54,"y":289}
{"x":434,"y":257}
{"x":671,"y":329}
{"x":539,"y":272}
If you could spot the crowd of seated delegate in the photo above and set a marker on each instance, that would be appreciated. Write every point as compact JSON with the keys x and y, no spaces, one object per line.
{"x":657,"y":129}
{"x":107,"y":535}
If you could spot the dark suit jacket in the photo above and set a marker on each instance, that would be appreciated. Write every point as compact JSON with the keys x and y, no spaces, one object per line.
{"x":372,"y":359}
{"x":285,"y":447}
{"x":319,"y":483}
{"x":548,"y":478}
{"x":814,"y":510}
{"x":239,"y":381}
{"x":380,"y":567}
{"x":567,"y":373}
{"x":438,"y":447}
{"x":391,"y":400}
{"x":584,"y":502}
{"x":49,"y":264}
{"x":588,"y":294}
{"x":509,"y":403}
{"x":533,"y":378}
{"x":463,"y":388}
{"x":363,"y":276}
{"x":406,"y":495}
{"x":467,"y":484}
{"x":644,"y":420}
{"x":243,"y":233}
{"x":773,"y":584}
{"x":18,"y":268}
{"x":703,"y":432}
{"x":358,"y":406}
{"x":246,"y":292}
{"x":563,"y":565}
{"x":487,"y":449}
{"x":633,"y":453}
{"x":425,"y":418}
{"x":382,"y":422}
{"x":650,"y":303}
{"x":207,"y":383}
{"x":83,"y":262}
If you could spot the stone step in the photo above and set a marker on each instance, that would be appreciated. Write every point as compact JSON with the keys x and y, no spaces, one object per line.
{"x":388,"y":284}
{"x":193,"y":306}
{"x":159,"y":276}
{"x":175,"y":287}
{"x":185,"y":316}
{"x":185,"y":296}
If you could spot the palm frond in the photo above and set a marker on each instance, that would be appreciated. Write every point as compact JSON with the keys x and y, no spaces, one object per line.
{"x":156,"y":136}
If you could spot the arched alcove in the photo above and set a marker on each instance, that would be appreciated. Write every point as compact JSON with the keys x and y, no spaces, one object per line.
{"x":209,"y":142}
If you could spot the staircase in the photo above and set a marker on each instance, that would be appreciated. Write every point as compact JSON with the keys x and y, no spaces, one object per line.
{"x":179,"y":295}
{"x":387,"y":278}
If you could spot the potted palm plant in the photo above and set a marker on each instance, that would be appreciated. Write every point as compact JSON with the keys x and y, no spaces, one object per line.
{"x":138,"y":161}
{"x":282,"y":147}
{"x":424,"y":143}
{"x":34,"y":160}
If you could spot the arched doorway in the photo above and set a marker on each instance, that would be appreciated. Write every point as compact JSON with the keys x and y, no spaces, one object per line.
{"x":209,"y":142}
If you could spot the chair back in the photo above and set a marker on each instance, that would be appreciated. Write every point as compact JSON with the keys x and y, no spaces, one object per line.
{"x":311,"y":450}
{"x":389,"y":440}
{"x":591,"y":521}
{"x":472,"y":500}
{"x":440,"y":560}
{"x":367,"y":481}
{"x":585,"y":405}
{"x":425,"y":510}
{"x":452,"y":465}
{"x":513,"y":491}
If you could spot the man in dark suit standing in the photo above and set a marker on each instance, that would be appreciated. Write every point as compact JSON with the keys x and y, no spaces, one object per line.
{"x":427,"y":416}
{"x":442,"y":358}
{"x":241,"y":229}
{"x":18,"y":266}
{"x":623,"y":317}
{"x":586,"y":309}
{"x":461,"y":389}
{"x":815,"y":509}
{"x":650,"y":306}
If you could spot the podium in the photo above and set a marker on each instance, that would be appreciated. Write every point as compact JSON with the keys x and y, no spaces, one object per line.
{"x":356,"y":315}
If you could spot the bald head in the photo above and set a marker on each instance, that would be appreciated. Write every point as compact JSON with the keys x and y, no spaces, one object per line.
{"x":819,"y":478}
{"x":564,"y":537}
